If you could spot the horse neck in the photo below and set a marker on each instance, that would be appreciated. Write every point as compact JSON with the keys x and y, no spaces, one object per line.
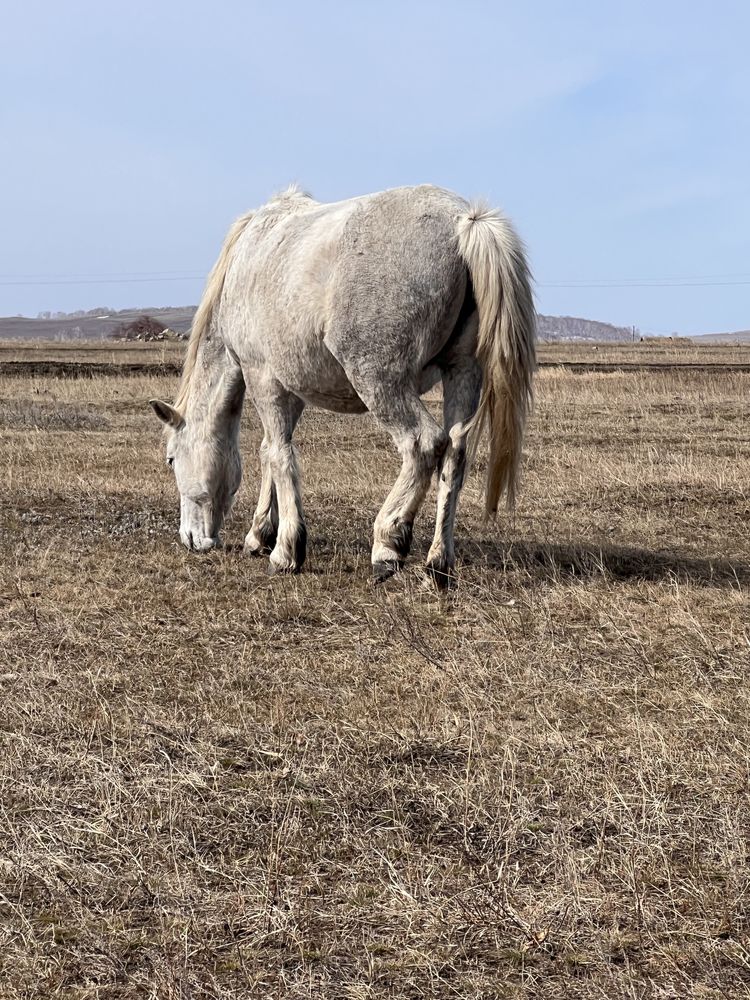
{"x":217,"y":392}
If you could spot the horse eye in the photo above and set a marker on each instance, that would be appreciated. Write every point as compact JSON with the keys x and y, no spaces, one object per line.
{"x":170,"y":461}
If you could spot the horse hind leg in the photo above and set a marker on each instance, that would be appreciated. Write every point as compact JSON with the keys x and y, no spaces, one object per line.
{"x":421,"y":442}
{"x":462,"y":383}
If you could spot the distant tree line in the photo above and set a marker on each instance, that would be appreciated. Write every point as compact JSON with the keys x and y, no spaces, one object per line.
{"x":78,"y":314}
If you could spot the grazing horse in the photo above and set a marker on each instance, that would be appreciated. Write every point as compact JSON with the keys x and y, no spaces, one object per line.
{"x":358,"y":305}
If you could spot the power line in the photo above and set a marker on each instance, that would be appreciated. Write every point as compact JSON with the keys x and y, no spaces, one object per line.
{"x":135,"y":277}
{"x":111,"y":274}
{"x":669,"y":277}
{"x":105,"y":281}
{"x":639,"y":284}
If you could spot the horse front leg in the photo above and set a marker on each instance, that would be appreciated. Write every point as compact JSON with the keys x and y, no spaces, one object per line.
{"x":291,"y":541}
{"x":261,"y":538}
{"x":279,"y":411}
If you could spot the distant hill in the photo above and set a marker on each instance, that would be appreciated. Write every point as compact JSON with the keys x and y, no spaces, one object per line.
{"x":98,"y":324}
{"x":738,"y":337}
{"x":94,"y":325}
{"x":574,"y":328}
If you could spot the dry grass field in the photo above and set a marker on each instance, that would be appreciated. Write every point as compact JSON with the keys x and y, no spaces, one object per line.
{"x":218,"y":785}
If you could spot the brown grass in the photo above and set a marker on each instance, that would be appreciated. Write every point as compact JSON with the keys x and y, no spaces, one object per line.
{"x":101,"y":351}
{"x":218,"y":785}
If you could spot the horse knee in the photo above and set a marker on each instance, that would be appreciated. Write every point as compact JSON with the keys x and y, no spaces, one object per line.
{"x":282,"y":459}
{"x":440,"y":446}
{"x":428,"y":448}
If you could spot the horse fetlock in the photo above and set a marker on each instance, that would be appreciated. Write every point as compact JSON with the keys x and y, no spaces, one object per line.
{"x":282,"y":563}
{"x":441,"y":573}
{"x":290,"y":551}
{"x":299,"y":543}
{"x":395,"y":539}
{"x":440,"y":567}
{"x":261,"y":539}
{"x":386,"y":561}
{"x":253,"y":547}
{"x":384,"y":569}
{"x":282,"y":567}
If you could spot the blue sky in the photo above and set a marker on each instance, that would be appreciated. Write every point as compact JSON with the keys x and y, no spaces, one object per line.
{"x":615,"y":135}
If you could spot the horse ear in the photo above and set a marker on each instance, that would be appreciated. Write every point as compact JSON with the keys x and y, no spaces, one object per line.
{"x":166,"y":413}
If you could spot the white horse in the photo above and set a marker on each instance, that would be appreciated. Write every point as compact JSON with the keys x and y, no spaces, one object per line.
{"x":358,"y":305}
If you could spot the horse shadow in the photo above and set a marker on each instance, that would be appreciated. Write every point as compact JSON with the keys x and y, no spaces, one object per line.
{"x":552,"y":561}
{"x":540,"y":561}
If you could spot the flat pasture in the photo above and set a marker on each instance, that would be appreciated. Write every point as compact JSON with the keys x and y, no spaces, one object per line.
{"x":218,"y":784}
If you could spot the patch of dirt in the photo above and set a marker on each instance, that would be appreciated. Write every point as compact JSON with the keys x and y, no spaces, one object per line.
{"x":85,"y":369}
{"x":91,"y":518}
{"x":90,"y":369}
{"x":24,"y":415}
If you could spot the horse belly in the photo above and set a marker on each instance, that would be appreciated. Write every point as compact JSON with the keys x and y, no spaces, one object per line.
{"x":337,"y":404}
{"x":319,"y":379}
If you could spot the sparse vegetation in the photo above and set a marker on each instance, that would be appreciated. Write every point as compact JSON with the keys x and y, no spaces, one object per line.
{"x":145,"y":328}
{"x":219,"y":785}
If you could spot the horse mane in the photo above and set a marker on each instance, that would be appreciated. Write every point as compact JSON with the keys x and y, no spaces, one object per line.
{"x":209,"y":300}
{"x":291,"y":199}
{"x":290,"y":193}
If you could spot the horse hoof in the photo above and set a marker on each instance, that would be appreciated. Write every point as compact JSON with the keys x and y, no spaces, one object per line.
{"x":274,"y":570}
{"x":260,"y":541}
{"x":440,"y":575}
{"x":255,"y":552}
{"x":382,"y":571}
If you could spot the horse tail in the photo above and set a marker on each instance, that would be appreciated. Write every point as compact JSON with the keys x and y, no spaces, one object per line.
{"x":211,"y":295}
{"x":501,"y":280}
